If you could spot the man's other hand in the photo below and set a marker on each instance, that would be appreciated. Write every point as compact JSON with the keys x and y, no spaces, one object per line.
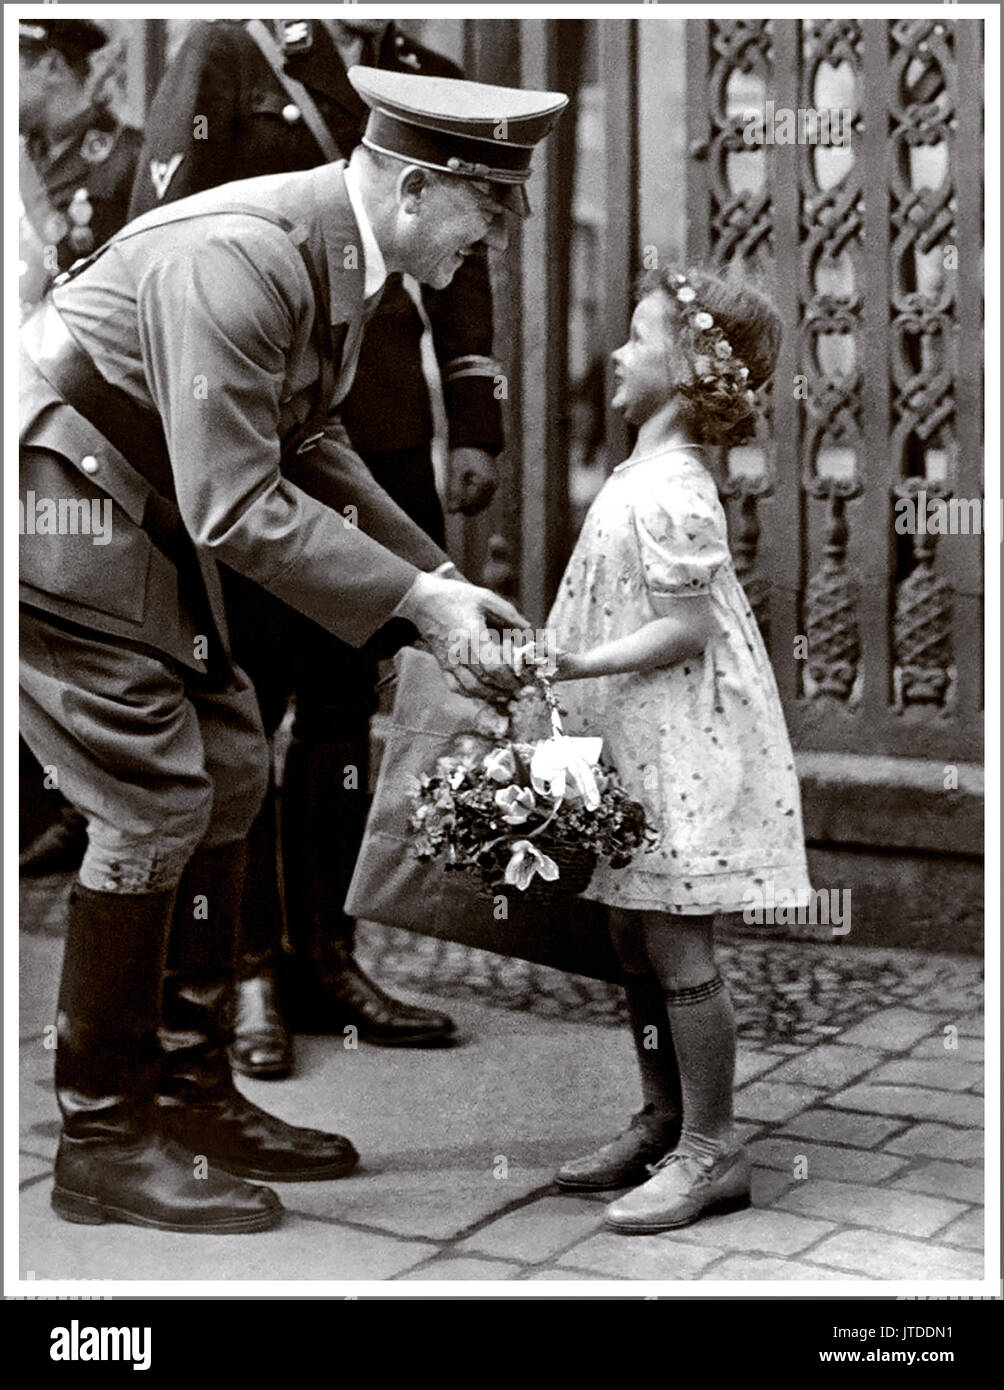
{"x":470,"y":481}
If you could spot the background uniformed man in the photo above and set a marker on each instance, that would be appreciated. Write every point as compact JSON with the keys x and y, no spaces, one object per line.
{"x":188,"y":379}
{"x":77,"y":164}
{"x":245,"y":99}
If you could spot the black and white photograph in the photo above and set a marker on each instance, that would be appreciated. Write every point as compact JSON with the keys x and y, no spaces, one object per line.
{"x":504,"y":683}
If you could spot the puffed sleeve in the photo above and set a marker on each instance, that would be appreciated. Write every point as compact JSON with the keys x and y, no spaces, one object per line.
{"x":682,"y":541}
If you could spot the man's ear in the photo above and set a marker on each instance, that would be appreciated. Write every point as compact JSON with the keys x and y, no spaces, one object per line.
{"x":411,"y":184}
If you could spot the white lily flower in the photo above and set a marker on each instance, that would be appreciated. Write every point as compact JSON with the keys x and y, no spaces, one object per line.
{"x":558,"y":760}
{"x":526,"y":861}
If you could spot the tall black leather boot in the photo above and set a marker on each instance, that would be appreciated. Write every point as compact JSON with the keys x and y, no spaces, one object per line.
{"x":113,"y":1164}
{"x":322,"y":829}
{"x":200,"y":1106}
{"x":261,"y":1044}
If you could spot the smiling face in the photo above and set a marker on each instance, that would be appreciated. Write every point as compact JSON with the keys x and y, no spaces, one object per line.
{"x":444,"y":220}
{"x":644,"y":371}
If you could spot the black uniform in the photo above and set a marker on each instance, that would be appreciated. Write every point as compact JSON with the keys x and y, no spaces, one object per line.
{"x":87,"y":178}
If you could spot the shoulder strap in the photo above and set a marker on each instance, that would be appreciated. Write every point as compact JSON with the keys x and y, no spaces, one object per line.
{"x":323,"y":337}
{"x":294,"y":89}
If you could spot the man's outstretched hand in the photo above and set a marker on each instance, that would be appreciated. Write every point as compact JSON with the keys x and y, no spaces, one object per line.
{"x":456,"y":620}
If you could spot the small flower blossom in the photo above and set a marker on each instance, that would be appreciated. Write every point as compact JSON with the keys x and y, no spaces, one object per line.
{"x":516,"y":803}
{"x":500,"y":765}
{"x":526,"y":861}
{"x":686,"y":294}
{"x":723,"y":348}
{"x":744,"y":372}
{"x":702,"y":320}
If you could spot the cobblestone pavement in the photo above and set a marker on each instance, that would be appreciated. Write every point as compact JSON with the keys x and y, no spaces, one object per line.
{"x":860,"y":1095}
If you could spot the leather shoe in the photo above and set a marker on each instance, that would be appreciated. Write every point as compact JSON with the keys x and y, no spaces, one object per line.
{"x":347,"y":996}
{"x":151,"y":1182}
{"x":239,"y":1138}
{"x":261,"y":1046}
{"x":624,"y":1159}
{"x":699,"y":1178}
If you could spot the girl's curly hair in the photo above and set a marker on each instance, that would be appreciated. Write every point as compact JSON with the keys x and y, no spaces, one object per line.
{"x":720,"y":369}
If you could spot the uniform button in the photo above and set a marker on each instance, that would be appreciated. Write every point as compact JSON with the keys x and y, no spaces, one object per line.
{"x":291,"y":113}
{"x":89,"y":463}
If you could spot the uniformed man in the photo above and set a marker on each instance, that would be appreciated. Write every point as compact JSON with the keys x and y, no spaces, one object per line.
{"x":242,"y":99}
{"x":78,"y":160}
{"x":76,"y":167}
{"x":177,"y":400}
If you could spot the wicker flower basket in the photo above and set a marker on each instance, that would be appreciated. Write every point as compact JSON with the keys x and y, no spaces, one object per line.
{"x":575,"y":870}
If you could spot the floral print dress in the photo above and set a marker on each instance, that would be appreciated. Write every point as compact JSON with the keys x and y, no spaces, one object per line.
{"x":701,"y":743}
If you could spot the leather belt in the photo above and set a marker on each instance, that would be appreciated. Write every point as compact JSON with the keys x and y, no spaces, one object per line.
{"x":137,"y":435}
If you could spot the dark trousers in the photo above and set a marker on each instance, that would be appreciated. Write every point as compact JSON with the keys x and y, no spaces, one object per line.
{"x":334,"y":689}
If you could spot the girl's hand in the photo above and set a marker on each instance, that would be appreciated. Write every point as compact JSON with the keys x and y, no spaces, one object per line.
{"x":568,"y":666}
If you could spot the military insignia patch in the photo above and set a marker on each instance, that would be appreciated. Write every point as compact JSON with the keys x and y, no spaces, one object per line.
{"x":96,"y":146}
{"x":162,"y":171}
{"x":297,"y":36}
{"x":406,"y":55}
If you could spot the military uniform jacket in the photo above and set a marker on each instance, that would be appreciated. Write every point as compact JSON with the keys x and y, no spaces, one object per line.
{"x":221,"y":113}
{"x":208,"y":321}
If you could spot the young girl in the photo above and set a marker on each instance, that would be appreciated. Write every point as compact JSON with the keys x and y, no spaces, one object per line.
{"x":665,"y":661}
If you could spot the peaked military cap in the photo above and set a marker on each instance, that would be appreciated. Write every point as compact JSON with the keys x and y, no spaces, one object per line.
{"x":74,"y":37}
{"x":469,"y":129}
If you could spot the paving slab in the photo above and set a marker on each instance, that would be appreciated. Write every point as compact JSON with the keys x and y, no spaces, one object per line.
{"x":945,"y":1073}
{"x":891,"y":1030}
{"x":879,"y":1256}
{"x":971,"y":1025}
{"x":880,"y":1209}
{"x":639,"y":1257}
{"x":963,"y":1182}
{"x":828,"y":1065}
{"x":912,"y":1102}
{"x":764,"y":1267}
{"x":842,"y":1127}
{"x":438,"y":1198}
{"x":32,"y":1168}
{"x":770,"y":1232}
{"x":538,"y":1231}
{"x":767,"y":1185}
{"x":298,"y":1249}
{"x":751,"y":1064}
{"x":447,"y":1267}
{"x":938,"y":1141}
{"x":774,"y":1100}
{"x":825,"y":1161}
{"x":968,"y":1230}
{"x":965,"y":1049}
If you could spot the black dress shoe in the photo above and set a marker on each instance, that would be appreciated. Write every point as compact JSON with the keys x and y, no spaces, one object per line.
{"x":345,"y":996}
{"x":239,"y":1138}
{"x":261,"y":1046}
{"x":151,"y":1182}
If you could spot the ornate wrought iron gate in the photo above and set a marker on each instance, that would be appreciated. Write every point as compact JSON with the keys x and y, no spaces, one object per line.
{"x":872,"y":251}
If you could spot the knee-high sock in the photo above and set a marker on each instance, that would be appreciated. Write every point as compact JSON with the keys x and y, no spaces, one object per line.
{"x":704,"y":1036}
{"x":653,"y":1043}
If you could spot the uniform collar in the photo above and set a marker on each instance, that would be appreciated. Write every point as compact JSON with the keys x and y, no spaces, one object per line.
{"x":375,"y":265}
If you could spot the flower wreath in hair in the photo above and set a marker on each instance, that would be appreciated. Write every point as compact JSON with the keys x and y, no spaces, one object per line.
{"x":721,"y":380}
